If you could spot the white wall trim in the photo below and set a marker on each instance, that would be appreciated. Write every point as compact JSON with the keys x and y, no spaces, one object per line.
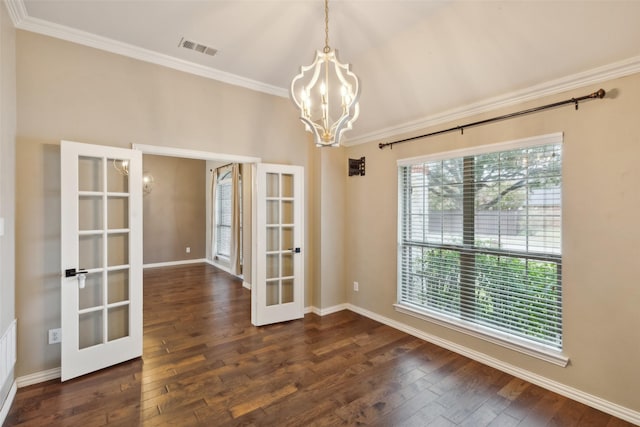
{"x":524,"y":346}
{"x":6,"y":405}
{"x":246,"y":285}
{"x":172,"y":263}
{"x":23,"y":21}
{"x":575,"y":81}
{"x":17,"y":11}
{"x":514,"y":144}
{"x":325,"y":311}
{"x":226,"y":269}
{"x":596,"y":402}
{"x":218,"y":266}
{"x":38,"y":377}
{"x":194,"y":154}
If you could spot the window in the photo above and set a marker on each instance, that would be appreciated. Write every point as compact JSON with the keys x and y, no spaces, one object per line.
{"x":223,"y":215}
{"x":479,"y":240}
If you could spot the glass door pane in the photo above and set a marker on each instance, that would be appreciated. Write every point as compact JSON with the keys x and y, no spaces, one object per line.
{"x":103,"y":243}
{"x":280,"y":243}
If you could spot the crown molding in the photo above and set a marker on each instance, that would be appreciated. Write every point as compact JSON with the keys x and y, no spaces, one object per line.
{"x":22,"y":21}
{"x":17,"y":11}
{"x":596,"y":75}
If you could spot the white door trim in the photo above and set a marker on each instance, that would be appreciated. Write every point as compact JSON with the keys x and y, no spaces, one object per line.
{"x":193,"y":154}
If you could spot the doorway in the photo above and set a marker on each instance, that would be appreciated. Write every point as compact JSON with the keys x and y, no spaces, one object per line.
{"x":176,"y":220}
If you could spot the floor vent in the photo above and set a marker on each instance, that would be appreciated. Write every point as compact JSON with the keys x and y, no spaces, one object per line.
{"x":191,"y":45}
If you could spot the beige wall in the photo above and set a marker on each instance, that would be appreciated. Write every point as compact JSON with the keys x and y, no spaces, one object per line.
{"x":601,"y":237}
{"x":174,"y":211}
{"x":7,"y":178}
{"x":68,"y":91}
{"x":330,"y":290}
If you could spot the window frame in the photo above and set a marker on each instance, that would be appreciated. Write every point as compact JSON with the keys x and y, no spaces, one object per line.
{"x":495,"y":336}
{"x":225,"y":178}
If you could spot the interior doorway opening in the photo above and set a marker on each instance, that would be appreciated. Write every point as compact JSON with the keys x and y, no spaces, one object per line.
{"x":167,"y":203}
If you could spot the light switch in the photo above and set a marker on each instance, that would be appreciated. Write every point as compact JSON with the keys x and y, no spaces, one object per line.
{"x":1,"y":226}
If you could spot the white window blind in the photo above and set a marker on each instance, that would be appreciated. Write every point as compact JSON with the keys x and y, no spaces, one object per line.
{"x":480,"y":239}
{"x":223,"y":215}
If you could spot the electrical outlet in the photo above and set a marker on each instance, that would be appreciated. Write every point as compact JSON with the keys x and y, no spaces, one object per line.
{"x":188,"y":250}
{"x":55,"y":336}
{"x":356,"y":286}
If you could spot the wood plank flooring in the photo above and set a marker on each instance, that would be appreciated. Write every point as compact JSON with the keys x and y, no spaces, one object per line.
{"x":205,"y":364}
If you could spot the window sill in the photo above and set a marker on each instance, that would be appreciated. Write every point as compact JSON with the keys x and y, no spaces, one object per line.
{"x":520,"y":345}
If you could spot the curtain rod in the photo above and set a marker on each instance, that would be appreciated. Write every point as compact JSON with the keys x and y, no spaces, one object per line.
{"x":598,"y":94}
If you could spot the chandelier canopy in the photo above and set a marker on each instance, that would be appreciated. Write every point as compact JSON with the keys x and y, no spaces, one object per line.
{"x":326,"y":93}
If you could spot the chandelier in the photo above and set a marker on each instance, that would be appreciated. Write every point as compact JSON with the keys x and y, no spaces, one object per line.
{"x":121,"y":166}
{"x":326,"y":93}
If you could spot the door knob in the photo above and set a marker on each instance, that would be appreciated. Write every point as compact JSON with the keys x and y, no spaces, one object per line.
{"x":80,"y":274}
{"x":71,"y":272}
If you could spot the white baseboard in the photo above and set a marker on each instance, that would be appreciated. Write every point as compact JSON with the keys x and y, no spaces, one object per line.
{"x":172,"y":263}
{"x":226,"y":269}
{"x":6,"y":405}
{"x":246,"y":285}
{"x":325,"y":311}
{"x":215,"y":264}
{"x":38,"y":377}
{"x":596,"y":402}
{"x":333,"y":309}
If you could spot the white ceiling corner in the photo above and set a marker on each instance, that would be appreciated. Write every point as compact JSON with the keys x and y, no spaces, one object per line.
{"x":17,"y":11}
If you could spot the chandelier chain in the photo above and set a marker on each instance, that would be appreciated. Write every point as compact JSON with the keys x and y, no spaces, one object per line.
{"x":327,"y":49}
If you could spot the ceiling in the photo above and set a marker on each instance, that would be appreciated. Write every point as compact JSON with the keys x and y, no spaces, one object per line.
{"x":420,"y":62}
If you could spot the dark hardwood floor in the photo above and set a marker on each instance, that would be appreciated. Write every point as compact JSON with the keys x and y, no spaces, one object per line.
{"x":205,"y":364}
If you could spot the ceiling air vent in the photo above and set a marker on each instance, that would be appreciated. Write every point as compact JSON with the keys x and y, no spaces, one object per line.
{"x":191,"y":45}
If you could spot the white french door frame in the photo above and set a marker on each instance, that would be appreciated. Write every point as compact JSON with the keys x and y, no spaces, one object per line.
{"x":277,"y":288}
{"x":95,"y":304}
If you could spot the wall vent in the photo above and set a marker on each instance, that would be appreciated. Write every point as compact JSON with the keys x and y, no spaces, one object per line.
{"x":191,"y":45}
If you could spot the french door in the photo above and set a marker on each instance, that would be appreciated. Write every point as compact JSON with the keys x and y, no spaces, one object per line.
{"x":277,"y":289}
{"x":101,"y":208}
